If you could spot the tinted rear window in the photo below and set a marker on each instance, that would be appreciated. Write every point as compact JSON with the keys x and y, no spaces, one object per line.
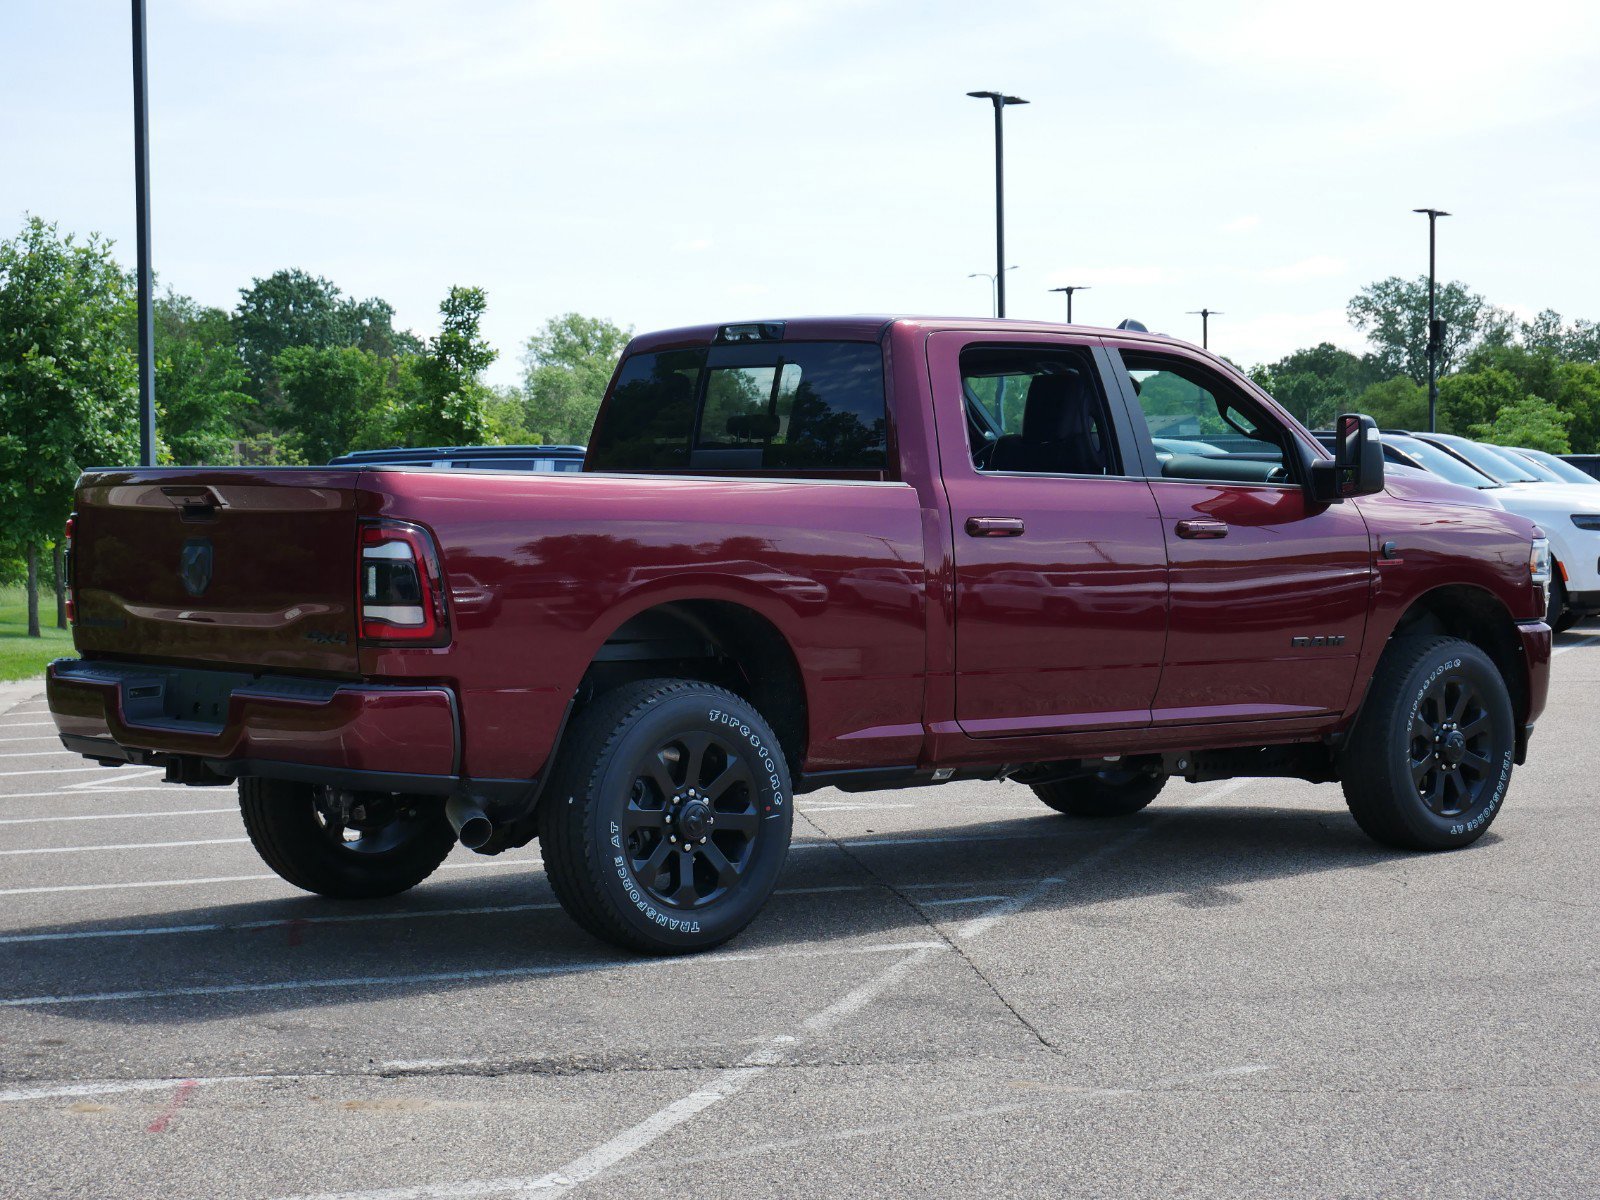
{"x":785,"y":406}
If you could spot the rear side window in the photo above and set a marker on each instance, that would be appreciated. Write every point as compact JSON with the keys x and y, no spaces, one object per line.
{"x":792,"y":406}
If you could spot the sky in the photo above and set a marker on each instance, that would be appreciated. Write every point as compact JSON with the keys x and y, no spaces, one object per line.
{"x":667,"y":164}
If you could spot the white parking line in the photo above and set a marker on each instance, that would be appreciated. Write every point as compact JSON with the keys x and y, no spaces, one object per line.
{"x":359,"y":981}
{"x":56,"y":771}
{"x":630,"y":1141}
{"x":159,"y":883}
{"x":4,"y":724}
{"x":37,"y":753}
{"x":1578,"y":645}
{"x":81,"y":793}
{"x":176,"y":812}
{"x":128,"y":846}
{"x":35,"y":737}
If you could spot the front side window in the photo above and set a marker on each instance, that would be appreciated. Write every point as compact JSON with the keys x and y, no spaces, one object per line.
{"x":1037,"y":411}
{"x":800,"y":406}
{"x":1202,"y":426}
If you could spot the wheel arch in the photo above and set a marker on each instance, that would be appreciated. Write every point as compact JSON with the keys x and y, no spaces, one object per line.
{"x":717,"y":641}
{"x":1474,"y":615}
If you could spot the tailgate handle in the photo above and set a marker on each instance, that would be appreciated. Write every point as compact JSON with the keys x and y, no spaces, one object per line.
{"x":994,"y":526}
{"x":195,"y":502}
{"x":1202,"y":529}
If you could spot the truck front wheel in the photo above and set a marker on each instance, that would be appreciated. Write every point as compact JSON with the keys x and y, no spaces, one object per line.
{"x":1114,"y":792}
{"x":667,"y":819}
{"x":350,"y":847}
{"x":1429,"y":760}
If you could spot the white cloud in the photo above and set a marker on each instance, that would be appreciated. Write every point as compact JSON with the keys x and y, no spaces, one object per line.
{"x":1125,"y":275}
{"x":1318,"y":266}
{"x":1242,"y":224}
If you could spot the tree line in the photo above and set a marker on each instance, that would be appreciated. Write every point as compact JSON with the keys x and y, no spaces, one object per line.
{"x":297,"y":372}
{"x":1518,"y":383}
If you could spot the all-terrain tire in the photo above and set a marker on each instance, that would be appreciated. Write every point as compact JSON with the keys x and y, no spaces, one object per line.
{"x":634,"y":757}
{"x":282,"y":819}
{"x":1109,"y":793}
{"x":1396,"y":769}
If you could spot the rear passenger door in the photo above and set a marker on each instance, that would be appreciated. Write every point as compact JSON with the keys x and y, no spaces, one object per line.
{"x":1060,"y":570}
{"x":1269,"y":591}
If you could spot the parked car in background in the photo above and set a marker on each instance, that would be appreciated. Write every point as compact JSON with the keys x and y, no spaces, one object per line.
{"x":1552,"y":467}
{"x":480,"y":458}
{"x":1406,"y":452}
{"x":1589,"y":464}
{"x":1569,"y":514}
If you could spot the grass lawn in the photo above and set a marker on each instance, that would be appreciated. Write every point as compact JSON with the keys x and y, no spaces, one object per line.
{"x":22,"y":657}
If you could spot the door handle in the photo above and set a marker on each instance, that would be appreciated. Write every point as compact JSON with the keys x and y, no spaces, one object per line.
{"x":994,"y":526}
{"x":1202,"y":529}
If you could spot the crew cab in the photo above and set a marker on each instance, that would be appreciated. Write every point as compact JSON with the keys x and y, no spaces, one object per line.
{"x":849,"y":552}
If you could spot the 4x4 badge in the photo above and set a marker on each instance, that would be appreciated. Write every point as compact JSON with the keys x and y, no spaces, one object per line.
{"x":194,"y":566}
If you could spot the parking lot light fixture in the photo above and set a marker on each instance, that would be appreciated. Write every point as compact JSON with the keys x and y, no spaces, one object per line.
{"x":1001,"y":102}
{"x":1435,"y":326}
{"x":994,"y":294}
{"x":1076,"y":287}
{"x":1205,"y":315}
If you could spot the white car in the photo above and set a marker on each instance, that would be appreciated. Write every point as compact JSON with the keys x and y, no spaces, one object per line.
{"x":1569,"y":514}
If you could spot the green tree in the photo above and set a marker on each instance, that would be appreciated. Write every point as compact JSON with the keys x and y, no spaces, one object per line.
{"x":337,"y":398}
{"x":1470,"y":398}
{"x":1393,"y":313}
{"x":67,"y":381}
{"x":293,"y":308}
{"x":1398,"y":403}
{"x":1316,"y":384}
{"x":200,"y":383}
{"x":567,"y":367}
{"x":1530,"y":421}
{"x":446,"y":402}
{"x":1576,"y":392}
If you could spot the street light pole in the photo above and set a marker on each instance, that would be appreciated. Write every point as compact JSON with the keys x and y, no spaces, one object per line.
{"x":1000,"y":101}
{"x":1205,"y":315}
{"x":1077,"y":287}
{"x":1435,"y":326}
{"x":141,"y":204}
{"x":996,"y":286}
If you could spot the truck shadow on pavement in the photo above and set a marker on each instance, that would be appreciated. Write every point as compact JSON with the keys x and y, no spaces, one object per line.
{"x":291,"y":953}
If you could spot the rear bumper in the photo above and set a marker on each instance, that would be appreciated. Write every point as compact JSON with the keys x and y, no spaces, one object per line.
{"x":211,"y":726}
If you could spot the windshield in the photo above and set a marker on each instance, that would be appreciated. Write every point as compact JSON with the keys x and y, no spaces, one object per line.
{"x":1542,"y":472}
{"x":1491,"y":461}
{"x":1440,"y":462}
{"x":1558,"y":467}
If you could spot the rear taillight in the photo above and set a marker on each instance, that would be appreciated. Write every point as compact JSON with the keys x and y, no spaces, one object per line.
{"x":400,"y":591}
{"x":71,"y":603}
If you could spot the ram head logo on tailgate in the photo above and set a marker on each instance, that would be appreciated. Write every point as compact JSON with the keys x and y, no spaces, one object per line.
{"x":194,"y":567}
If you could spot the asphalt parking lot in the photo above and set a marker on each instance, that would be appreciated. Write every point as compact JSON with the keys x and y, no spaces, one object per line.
{"x":956,"y":991}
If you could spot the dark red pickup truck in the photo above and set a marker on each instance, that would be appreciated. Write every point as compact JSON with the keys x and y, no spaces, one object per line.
{"x":855,"y":552}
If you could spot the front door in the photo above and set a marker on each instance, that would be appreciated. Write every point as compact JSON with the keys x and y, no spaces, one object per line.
{"x":1269,"y":592}
{"x":1060,"y":569}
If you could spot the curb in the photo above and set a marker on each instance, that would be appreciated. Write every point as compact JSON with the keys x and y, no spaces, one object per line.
{"x":16,"y":692}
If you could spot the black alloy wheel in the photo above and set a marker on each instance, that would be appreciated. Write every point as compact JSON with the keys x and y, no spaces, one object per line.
{"x":691,"y":822}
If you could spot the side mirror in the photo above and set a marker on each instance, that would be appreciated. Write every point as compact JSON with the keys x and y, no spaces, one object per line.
{"x":1357,"y":466}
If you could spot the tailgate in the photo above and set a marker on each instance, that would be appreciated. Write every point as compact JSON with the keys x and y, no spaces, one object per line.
{"x":247,"y":568}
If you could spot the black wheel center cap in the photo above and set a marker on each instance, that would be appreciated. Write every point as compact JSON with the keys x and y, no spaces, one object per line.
{"x":694,"y":819}
{"x":1454,"y":747}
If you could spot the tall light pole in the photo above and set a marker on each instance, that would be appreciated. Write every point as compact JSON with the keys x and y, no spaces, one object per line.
{"x":1000,"y":100}
{"x":1205,"y":315}
{"x":1077,"y":287}
{"x":141,"y":205}
{"x":996,"y":287}
{"x":1435,"y":326}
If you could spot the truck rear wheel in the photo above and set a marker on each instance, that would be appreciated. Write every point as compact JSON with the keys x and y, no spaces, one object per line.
{"x":1429,"y":760}
{"x":667,"y":819}
{"x":373,"y":845}
{"x":1114,"y":792}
